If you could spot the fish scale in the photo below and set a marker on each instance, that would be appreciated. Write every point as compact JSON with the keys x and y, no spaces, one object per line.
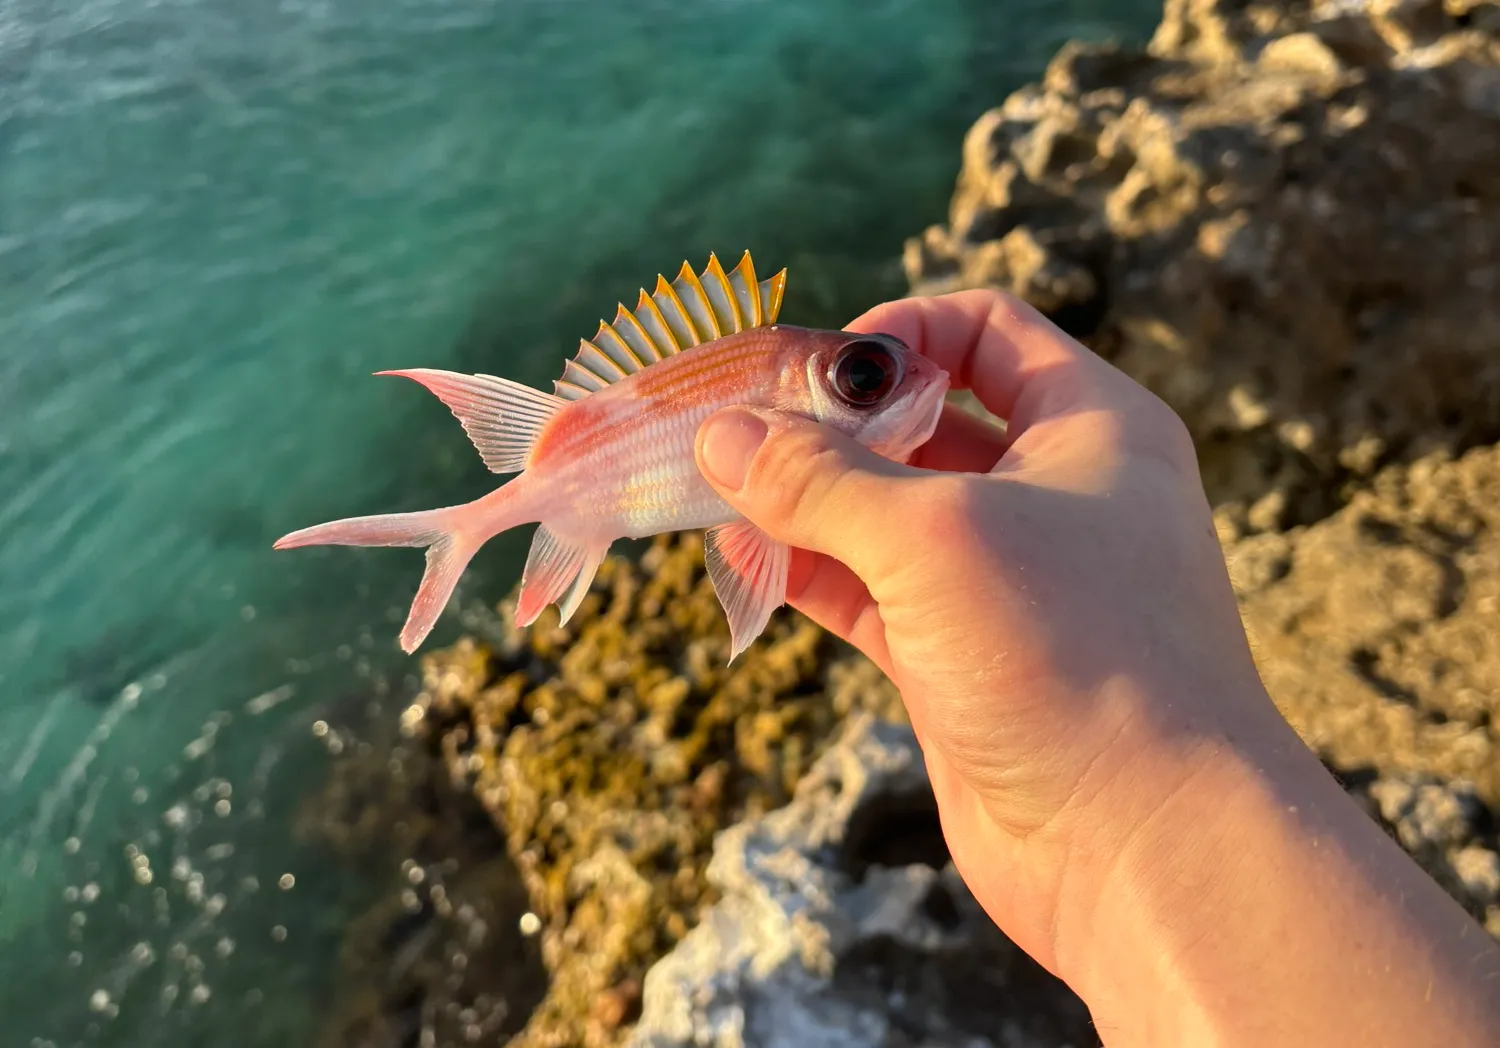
{"x":609,"y":454}
{"x":654,"y":485}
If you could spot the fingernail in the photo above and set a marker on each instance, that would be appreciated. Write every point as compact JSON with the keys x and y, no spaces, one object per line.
{"x":730,"y":440}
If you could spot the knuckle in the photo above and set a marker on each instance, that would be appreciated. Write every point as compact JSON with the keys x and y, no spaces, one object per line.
{"x":1139,"y":418}
{"x":996,"y":301}
{"x":945,"y":509}
{"x":796,"y":472}
{"x":1022,"y":321}
{"x":1166,"y":432}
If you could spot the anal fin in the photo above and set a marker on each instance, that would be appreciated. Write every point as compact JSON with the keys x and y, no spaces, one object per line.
{"x":501,"y":417}
{"x":557,"y":571}
{"x":593,"y":556}
{"x":748,"y":569}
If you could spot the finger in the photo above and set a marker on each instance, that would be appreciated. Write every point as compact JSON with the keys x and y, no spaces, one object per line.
{"x":1022,"y":367}
{"x":833,"y":596}
{"x":809,"y":486}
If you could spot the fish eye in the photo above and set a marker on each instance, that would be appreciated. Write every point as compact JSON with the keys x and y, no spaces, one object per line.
{"x":864,"y":372}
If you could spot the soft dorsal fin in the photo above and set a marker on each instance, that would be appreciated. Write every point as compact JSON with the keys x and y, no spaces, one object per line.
{"x":692,"y":309}
{"x":501,"y":417}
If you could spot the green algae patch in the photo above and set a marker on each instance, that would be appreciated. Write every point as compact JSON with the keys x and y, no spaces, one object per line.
{"x":610,"y":752}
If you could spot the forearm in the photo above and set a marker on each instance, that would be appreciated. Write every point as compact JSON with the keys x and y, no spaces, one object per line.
{"x":1260,"y":907}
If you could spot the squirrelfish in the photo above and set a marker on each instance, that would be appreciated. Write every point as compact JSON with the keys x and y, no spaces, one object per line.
{"x":609,"y":453}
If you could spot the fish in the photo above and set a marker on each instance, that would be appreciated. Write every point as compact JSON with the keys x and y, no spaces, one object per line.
{"x":608,"y":454}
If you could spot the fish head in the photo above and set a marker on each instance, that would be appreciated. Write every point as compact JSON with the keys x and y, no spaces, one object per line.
{"x":871,"y":387}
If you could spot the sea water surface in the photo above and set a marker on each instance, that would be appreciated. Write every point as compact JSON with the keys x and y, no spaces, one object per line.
{"x":217,"y":218}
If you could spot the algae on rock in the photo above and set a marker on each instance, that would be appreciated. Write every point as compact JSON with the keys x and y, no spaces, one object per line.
{"x":611,"y":751}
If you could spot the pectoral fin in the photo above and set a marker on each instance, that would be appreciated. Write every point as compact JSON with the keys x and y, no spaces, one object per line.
{"x":748,"y":570}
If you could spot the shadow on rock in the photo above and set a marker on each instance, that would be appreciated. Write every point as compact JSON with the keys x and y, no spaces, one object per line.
{"x":842,"y":923}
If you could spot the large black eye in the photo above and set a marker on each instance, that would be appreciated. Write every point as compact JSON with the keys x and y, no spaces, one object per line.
{"x":864,"y":372}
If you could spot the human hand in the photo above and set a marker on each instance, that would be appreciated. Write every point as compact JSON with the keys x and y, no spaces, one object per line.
{"x":1053,"y":604}
{"x":1050,"y":599}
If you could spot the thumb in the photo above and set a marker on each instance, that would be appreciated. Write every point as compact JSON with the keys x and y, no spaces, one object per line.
{"x":806,"y":484}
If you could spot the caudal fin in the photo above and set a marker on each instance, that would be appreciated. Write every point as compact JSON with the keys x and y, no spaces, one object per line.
{"x":449,"y":549}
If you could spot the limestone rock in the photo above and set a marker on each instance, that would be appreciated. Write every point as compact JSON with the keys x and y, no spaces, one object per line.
{"x":1375,"y":632}
{"x":1447,"y":829}
{"x":1282,"y":217}
{"x":842,"y":924}
{"x":1375,"y":629}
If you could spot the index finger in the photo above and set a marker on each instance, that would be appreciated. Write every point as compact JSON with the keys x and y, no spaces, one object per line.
{"x":1021,"y":366}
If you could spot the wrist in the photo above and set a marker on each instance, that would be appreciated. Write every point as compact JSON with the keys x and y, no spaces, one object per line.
{"x":1165,"y":787}
{"x":1135,"y":803}
{"x":1140,"y":945}
{"x":1257,"y":905}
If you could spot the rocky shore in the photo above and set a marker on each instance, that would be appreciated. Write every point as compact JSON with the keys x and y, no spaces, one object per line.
{"x":1282,"y":217}
{"x":605,"y":757}
{"x":1285,"y":219}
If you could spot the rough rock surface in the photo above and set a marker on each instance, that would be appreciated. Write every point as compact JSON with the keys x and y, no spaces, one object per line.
{"x":1377,"y":632}
{"x":842,"y":924}
{"x":1283,"y":217}
{"x":1450,"y":832}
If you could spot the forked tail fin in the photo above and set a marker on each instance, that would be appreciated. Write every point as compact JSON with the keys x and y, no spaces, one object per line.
{"x":452,"y":536}
{"x":504,"y":420}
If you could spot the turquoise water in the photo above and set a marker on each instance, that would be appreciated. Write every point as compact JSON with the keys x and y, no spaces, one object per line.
{"x":217,"y":218}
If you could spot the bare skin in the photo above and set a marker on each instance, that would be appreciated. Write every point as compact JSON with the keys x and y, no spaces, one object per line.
{"x":1114,"y":783}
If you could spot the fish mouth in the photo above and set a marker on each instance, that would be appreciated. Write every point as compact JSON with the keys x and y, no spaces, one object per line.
{"x":921,"y":418}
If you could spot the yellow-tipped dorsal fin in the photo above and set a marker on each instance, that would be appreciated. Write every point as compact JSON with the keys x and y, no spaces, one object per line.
{"x":692,"y":309}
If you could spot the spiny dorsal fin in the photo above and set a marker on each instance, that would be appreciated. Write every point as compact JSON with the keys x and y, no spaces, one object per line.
{"x":692,"y":309}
